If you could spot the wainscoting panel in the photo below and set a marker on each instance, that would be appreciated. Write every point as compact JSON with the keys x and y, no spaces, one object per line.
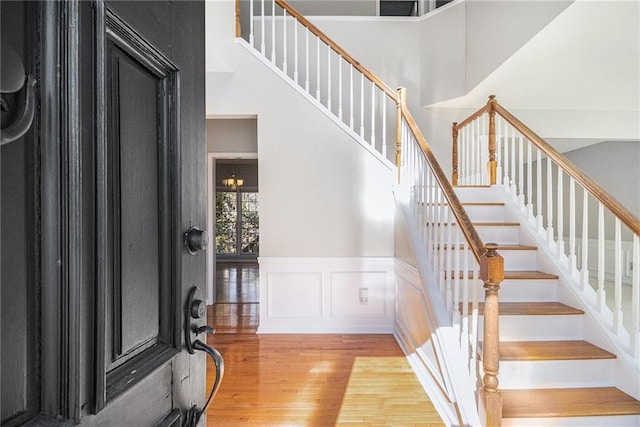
{"x":326,"y":295}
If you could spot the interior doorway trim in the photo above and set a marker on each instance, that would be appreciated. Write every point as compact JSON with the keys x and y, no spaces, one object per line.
{"x":211,"y":220}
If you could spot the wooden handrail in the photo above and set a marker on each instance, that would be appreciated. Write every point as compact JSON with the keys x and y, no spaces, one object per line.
{"x":466,"y":226}
{"x":474,"y":116}
{"x":334,"y":46}
{"x":627,"y":218}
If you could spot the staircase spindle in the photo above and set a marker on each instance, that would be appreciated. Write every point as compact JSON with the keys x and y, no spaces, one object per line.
{"x":262,"y":31}
{"x":572,"y":226}
{"x":529,"y":181}
{"x":521,"y":171}
{"x":383,"y":103}
{"x":560,"y":216}
{"x":373,"y":114}
{"x":329,"y":78}
{"x":513,"y":162}
{"x":601,"y":295}
{"x":539,"y":218}
{"x":284,"y":41}
{"x":295,"y":51}
{"x":506,"y":180}
{"x":618,"y":324}
{"x":351,"y":98}
{"x":498,"y":150}
{"x":635,"y":298}
{"x":340,"y":112}
{"x":251,"y":29}
{"x":306,"y":61}
{"x":318,"y":76}
{"x":273,"y":31}
{"x":362,"y":105}
{"x":549,"y":203}
{"x":584,"y":265}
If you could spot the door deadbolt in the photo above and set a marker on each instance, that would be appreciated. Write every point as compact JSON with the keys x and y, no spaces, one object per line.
{"x":196,"y":240}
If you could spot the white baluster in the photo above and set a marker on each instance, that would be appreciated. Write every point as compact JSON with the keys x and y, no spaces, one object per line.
{"x":635,"y":299}
{"x":251,"y":30}
{"x":306,"y":61}
{"x":473,"y":146}
{"x":454,"y":307}
{"x":618,"y":325}
{"x":284,"y":41}
{"x":373,"y":115}
{"x":584,"y":264}
{"x":351,"y":97}
{"x":273,"y":31}
{"x":329,"y":77}
{"x":498,"y":150}
{"x":506,"y":181}
{"x":465,"y":301}
{"x":318,"y":69}
{"x":521,"y":171}
{"x":474,"y":319}
{"x":572,"y":226}
{"x":362,"y":105}
{"x":549,"y":203}
{"x":539,"y":217}
{"x":560,"y":216}
{"x":340,"y":87}
{"x":384,"y":124}
{"x":601,"y":294}
{"x":529,"y":181}
{"x":262,"y":31}
{"x":295,"y":50}
{"x":513,"y":162}
{"x":449,"y":239}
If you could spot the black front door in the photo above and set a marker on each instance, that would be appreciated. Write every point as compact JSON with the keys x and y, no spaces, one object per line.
{"x":96,"y":199}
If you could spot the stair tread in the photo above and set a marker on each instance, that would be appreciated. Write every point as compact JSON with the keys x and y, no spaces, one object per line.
{"x":567,"y":402}
{"x":482,"y":203}
{"x":551,"y":350}
{"x":533,"y":308}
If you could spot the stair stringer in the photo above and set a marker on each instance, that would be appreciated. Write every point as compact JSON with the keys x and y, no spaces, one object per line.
{"x":570,"y":292}
{"x":426,"y":333}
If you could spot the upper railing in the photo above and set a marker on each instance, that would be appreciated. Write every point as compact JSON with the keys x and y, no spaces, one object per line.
{"x":595,"y":237}
{"x":378,"y":117}
{"x":361,"y":102}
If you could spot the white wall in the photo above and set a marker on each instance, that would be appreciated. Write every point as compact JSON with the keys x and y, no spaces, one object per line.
{"x":232,"y":135}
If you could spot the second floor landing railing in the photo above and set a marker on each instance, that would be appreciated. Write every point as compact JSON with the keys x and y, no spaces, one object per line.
{"x":596,"y":239}
{"x":319,"y":67}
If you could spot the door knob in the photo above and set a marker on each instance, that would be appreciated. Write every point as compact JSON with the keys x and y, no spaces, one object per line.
{"x":196,"y":240}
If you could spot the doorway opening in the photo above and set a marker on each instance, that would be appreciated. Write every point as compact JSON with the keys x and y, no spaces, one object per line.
{"x":237,"y":246}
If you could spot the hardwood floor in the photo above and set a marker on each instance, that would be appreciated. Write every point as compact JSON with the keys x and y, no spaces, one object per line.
{"x":305,"y":380}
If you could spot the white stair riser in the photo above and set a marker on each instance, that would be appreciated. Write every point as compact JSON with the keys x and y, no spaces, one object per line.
{"x":512,"y":290}
{"x":556,"y":373}
{"x":612,"y":421}
{"x":476,"y":194}
{"x":540,"y":328}
{"x":508,"y":235}
{"x":485,"y":213}
{"x":514,"y":260}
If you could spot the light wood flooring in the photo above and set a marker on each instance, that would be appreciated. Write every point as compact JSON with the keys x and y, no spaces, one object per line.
{"x":305,"y":380}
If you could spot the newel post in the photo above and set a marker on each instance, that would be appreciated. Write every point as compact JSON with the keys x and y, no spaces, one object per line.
{"x":402,"y":93}
{"x":492,"y":274}
{"x":492,"y":139}
{"x":454,"y":156}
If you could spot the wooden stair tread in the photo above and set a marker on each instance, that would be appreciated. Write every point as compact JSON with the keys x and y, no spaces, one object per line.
{"x":516,"y":275}
{"x":551,"y":350}
{"x":533,"y":308}
{"x":567,"y":402}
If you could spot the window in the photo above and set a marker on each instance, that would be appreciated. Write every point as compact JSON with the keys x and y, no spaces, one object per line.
{"x":237,"y":216}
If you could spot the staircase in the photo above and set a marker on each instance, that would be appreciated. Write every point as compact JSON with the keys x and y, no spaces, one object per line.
{"x":550,"y":374}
